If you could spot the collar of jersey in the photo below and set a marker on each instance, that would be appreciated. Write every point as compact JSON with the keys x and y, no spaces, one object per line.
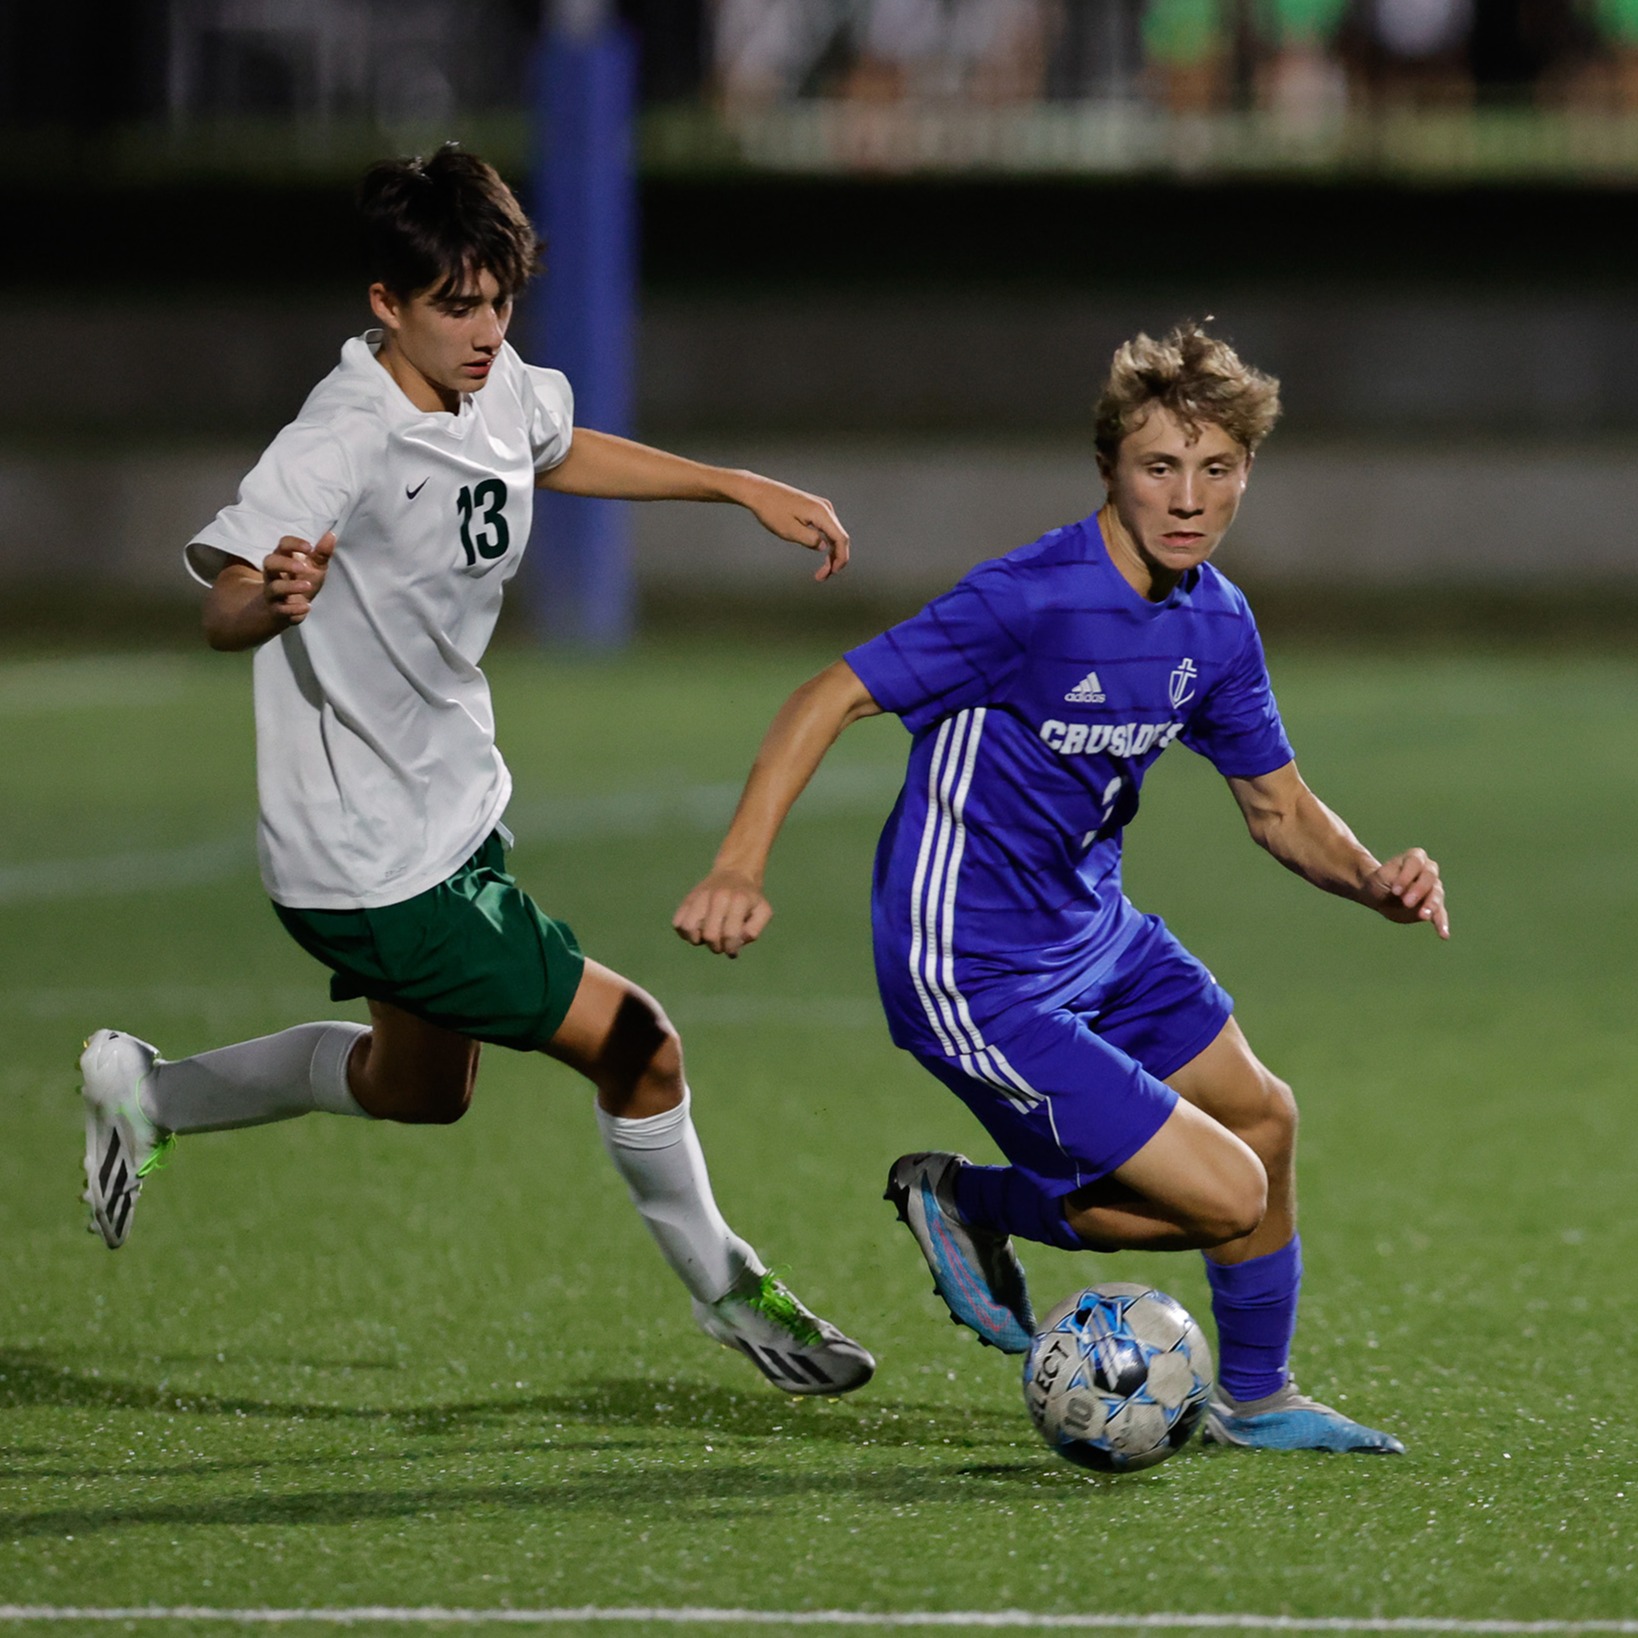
{"x":358,"y":357}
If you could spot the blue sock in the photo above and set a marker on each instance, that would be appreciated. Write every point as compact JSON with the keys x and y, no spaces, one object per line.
{"x":1255,"y":1306}
{"x":1003,"y":1198}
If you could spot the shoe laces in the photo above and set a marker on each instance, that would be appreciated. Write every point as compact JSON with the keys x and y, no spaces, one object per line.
{"x":1288,"y":1398}
{"x":778,"y":1304}
{"x":160,"y":1157}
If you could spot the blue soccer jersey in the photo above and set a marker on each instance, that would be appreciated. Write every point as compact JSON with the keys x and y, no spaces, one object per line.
{"x":1038,"y":691}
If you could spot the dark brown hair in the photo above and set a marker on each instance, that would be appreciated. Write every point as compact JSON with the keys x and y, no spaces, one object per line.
{"x":434,"y":224}
{"x":1197,"y":377}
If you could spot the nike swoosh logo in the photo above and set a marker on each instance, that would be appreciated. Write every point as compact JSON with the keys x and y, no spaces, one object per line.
{"x":410,"y":494}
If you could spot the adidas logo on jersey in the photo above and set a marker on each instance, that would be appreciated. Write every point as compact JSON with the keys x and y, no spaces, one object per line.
{"x":1088,"y":691}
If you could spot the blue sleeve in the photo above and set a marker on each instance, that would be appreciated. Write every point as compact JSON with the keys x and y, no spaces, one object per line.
{"x":959,"y":651}
{"x":1237,"y":727}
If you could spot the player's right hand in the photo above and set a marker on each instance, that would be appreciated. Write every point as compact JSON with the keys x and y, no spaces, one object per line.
{"x":1407,"y":888}
{"x":725,"y":912}
{"x":293,"y":574}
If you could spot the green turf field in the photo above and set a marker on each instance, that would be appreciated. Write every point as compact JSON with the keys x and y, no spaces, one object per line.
{"x":343,"y":1365}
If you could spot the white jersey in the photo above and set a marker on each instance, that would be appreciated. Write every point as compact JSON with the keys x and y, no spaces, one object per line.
{"x":376,"y":761}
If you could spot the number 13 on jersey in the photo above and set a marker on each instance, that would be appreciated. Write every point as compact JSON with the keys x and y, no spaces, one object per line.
{"x":486,"y":502}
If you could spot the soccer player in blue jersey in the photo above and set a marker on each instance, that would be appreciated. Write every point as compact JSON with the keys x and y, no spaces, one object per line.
{"x":1099,"y":1054}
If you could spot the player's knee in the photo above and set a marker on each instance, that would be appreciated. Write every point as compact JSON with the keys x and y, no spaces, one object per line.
{"x":666,"y":1063}
{"x":1235,"y":1205}
{"x":1238,"y":1218}
{"x":1249,"y":1208}
{"x":656,"y":1055}
{"x":642,"y":1060}
{"x":1265,"y":1117}
{"x":1279,"y":1117}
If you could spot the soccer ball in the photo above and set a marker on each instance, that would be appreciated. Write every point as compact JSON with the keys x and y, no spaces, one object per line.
{"x":1117,"y":1377}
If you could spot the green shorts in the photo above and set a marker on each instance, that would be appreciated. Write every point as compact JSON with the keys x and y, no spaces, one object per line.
{"x":473,"y":954}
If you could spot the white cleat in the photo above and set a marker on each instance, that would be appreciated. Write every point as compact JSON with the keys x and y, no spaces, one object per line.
{"x":122,"y":1146}
{"x":791,"y":1346}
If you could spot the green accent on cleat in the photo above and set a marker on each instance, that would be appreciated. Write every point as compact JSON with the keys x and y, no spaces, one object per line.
{"x":793,"y":1347}
{"x":778,"y":1305}
{"x":160,"y":1158}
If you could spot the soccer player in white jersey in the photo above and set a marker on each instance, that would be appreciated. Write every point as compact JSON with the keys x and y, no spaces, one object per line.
{"x":1101,"y":1056}
{"x":365,"y":562}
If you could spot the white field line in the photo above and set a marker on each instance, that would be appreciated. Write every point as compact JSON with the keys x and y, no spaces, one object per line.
{"x":1018,"y":1620}
{"x":836,"y":790}
{"x":98,"y":682}
{"x":112,"y":873}
{"x":621,"y":815}
{"x":228,"y":1001}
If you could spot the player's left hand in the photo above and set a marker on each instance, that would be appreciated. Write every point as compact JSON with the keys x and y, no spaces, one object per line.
{"x":797,"y":516}
{"x":1407,"y":888}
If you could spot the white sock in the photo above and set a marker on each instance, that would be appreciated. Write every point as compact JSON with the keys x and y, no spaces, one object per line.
{"x":275,"y":1077}
{"x":664,"y":1167}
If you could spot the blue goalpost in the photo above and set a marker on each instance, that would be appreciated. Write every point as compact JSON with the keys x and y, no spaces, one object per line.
{"x":584,"y":316}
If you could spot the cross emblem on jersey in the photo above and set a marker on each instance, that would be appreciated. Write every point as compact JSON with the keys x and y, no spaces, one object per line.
{"x":1182,"y":682}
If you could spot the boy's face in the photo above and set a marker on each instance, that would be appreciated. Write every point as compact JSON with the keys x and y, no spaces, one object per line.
{"x":450,"y":343}
{"x":1176,"y":491}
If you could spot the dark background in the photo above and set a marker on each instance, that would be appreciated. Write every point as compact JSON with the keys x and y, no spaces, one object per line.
{"x":183,"y":267}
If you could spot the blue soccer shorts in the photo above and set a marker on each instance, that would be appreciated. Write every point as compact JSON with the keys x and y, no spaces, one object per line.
{"x":1086,"y":1085}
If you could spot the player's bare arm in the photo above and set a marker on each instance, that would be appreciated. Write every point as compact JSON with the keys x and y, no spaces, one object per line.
{"x":1285,"y":817}
{"x":600,"y":464}
{"x":728,"y":910}
{"x":245,"y":608}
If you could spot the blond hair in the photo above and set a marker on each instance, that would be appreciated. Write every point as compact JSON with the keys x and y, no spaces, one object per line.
{"x":1197,"y":377}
